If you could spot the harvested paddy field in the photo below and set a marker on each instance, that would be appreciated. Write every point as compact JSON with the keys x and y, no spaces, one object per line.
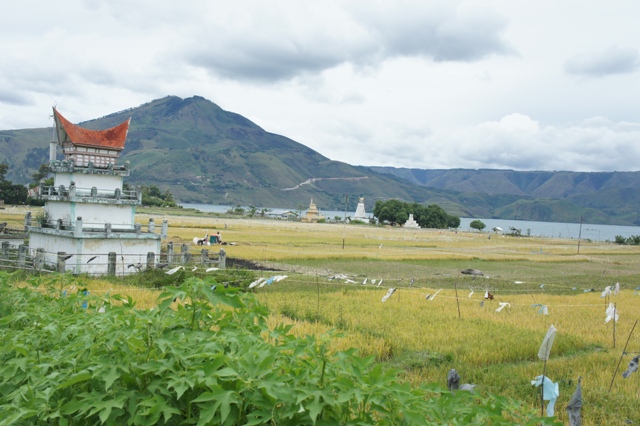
{"x":438,"y":318}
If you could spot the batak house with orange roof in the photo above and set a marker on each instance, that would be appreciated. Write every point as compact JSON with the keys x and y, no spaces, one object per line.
{"x":86,"y":212}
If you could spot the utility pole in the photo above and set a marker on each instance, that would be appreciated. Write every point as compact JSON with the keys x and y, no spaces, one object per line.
{"x":579,"y":235}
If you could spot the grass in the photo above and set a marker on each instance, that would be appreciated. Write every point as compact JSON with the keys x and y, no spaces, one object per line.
{"x":425,"y":338}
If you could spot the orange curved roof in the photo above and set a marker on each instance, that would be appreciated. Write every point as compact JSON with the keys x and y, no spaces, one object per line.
{"x":113,"y":138}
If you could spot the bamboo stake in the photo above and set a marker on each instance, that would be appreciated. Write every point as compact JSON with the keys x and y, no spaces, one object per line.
{"x":318,"y":310}
{"x":622,"y":356}
{"x":543,"y":353}
{"x":544,"y":373}
{"x":614,"y":325}
{"x":457,"y":301}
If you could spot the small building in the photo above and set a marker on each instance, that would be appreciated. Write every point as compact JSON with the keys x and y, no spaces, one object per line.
{"x":312,"y":215}
{"x":88,"y":219}
{"x":286,"y":215}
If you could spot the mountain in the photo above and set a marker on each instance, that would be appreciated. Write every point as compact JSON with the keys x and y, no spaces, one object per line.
{"x":204,"y":154}
{"x":543,"y":195}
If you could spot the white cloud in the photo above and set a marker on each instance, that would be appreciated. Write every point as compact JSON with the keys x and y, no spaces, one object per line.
{"x":613,"y":60}
{"x":406,"y":83}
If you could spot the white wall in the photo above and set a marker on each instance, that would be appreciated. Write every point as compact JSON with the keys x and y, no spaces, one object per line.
{"x":88,"y":181}
{"x":92,"y":214}
{"x":132,"y":250}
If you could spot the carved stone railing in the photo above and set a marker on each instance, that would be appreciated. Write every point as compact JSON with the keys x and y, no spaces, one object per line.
{"x":73,"y":193}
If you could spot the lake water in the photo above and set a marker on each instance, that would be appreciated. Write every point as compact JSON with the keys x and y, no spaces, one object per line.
{"x":539,"y":229}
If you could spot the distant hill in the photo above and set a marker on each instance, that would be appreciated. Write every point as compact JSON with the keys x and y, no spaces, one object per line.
{"x":204,"y":154}
{"x":545,"y":195}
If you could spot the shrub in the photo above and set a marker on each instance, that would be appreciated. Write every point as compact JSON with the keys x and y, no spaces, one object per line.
{"x":203,"y":356}
{"x":477,"y":224}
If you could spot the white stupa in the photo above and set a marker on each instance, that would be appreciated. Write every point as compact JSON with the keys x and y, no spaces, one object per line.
{"x":360,"y":213}
{"x":411,"y":223}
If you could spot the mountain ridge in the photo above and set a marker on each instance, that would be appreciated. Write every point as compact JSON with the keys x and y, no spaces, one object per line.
{"x":204,"y":154}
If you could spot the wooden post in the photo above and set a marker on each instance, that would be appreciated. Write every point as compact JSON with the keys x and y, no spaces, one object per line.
{"x":111,"y":263}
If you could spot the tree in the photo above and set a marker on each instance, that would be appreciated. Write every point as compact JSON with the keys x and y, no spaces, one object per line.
{"x":4,"y":168}
{"x":10,"y":193}
{"x":477,"y":224}
{"x":40,"y":174}
{"x":391,"y":211}
{"x":432,"y":216}
{"x":152,"y":196}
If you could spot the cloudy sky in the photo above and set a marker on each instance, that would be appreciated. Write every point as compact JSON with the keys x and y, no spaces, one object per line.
{"x":525,"y":85}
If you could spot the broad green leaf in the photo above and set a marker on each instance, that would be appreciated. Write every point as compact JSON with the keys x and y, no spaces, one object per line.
{"x":82,"y":376}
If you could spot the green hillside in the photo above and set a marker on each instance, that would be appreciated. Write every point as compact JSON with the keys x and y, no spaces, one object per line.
{"x":204,"y":154}
{"x":599,"y":197}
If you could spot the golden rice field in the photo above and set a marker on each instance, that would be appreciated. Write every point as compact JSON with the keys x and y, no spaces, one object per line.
{"x":457,"y":328}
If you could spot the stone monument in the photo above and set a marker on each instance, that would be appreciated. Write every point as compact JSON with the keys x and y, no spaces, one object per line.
{"x":360,"y":213}
{"x":411,"y":223}
{"x":313,"y":215}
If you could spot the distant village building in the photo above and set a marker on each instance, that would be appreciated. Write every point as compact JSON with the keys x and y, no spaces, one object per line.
{"x":360,"y":213}
{"x":287,"y":215}
{"x":313,"y":215}
{"x":411,"y":223}
{"x":88,"y":219}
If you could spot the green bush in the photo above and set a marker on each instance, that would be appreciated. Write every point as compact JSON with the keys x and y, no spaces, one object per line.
{"x":633,"y":240}
{"x":477,"y":224}
{"x":203,"y":356}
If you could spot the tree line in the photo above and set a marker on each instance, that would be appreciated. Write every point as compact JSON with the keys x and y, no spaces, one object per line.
{"x":397,"y":212}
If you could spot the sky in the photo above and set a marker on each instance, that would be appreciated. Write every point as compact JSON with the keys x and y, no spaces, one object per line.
{"x":429,"y":84}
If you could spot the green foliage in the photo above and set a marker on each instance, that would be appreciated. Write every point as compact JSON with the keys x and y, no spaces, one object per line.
{"x":42,"y":218}
{"x":4,"y":168}
{"x":237,"y":210}
{"x":203,"y":357}
{"x":13,"y":194}
{"x":10,"y":193}
{"x":40,"y":174}
{"x":432,"y":216}
{"x":152,"y":196}
{"x":477,"y":224}
{"x":633,"y":240}
{"x":391,"y":211}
